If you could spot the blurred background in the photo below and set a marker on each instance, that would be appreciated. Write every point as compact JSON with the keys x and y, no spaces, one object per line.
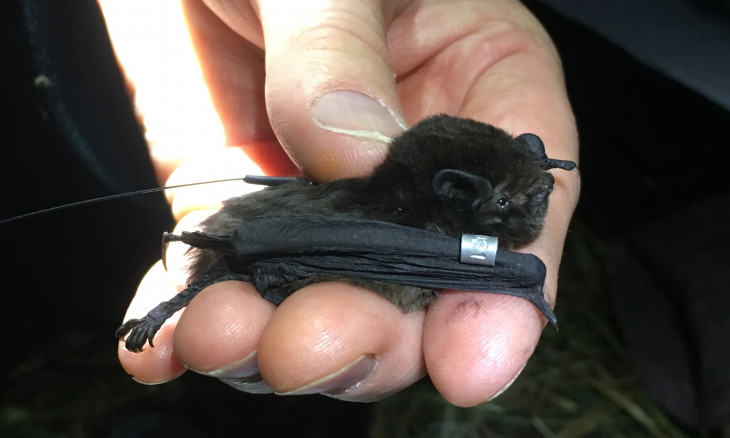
{"x":645,"y":286}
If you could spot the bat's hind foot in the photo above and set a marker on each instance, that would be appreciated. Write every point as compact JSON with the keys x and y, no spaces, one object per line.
{"x":141,"y":331}
{"x":138,"y":332}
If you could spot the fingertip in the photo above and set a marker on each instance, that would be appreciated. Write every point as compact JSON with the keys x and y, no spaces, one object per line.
{"x":314,"y":328}
{"x":343,"y":131}
{"x":336,"y":111}
{"x":221,"y":326}
{"x":475,"y":344}
{"x":319,"y":332}
{"x":153,"y":365}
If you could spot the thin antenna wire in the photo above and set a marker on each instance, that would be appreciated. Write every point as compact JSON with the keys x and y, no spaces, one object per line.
{"x":109,"y":198}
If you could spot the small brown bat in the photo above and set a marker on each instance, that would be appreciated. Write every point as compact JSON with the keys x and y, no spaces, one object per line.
{"x":443,"y":178}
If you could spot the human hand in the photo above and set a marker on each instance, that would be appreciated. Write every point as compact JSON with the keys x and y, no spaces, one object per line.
{"x":489,"y":61}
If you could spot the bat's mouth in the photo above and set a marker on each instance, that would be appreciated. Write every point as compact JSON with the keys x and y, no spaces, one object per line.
{"x":491,"y":226}
{"x":493,"y":221}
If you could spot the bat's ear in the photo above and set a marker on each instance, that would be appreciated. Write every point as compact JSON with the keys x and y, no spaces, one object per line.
{"x":460,"y":186}
{"x":533,"y":144}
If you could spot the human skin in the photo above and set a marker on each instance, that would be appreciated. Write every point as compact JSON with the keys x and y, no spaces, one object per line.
{"x":267,"y":65}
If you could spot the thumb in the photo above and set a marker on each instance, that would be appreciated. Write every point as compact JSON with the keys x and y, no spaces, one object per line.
{"x":330,"y":89}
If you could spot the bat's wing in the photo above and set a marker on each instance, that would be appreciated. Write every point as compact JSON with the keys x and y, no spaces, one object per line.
{"x":274,"y":252}
{"x":277,"y":251}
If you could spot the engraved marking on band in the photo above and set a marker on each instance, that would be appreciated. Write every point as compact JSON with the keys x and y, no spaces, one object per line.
{"x":478,"y":250}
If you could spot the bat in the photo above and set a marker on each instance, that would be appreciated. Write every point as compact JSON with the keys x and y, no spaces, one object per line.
{"x":451,"y":199}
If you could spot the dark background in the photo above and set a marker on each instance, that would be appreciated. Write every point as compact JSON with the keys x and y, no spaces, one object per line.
{"x":655,"y":180}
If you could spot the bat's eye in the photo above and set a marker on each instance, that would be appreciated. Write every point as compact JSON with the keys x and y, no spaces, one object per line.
{"x":502,"y":202}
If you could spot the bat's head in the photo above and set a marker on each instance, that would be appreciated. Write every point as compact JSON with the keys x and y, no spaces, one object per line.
{"x":475,"y":178}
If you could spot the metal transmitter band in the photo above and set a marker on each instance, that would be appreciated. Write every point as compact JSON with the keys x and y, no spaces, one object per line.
{"x":478,"y":250}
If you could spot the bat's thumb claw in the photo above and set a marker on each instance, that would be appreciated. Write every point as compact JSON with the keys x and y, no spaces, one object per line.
{"x":546,"y":311}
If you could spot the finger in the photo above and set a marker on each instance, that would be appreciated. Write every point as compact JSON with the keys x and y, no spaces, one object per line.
{"x":475,"y":344}
{"x":343,"y":341}
{"x":218,"y":334}
{"x":331,"y":94}
{"x":233,"y":67}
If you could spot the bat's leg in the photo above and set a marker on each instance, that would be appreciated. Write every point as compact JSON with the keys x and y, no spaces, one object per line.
{"x":143,"y":330}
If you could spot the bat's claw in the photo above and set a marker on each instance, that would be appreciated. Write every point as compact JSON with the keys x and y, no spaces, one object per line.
{"x":166,"y":239}
{"x":141,"y":331}
{"x":138,"y":332}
